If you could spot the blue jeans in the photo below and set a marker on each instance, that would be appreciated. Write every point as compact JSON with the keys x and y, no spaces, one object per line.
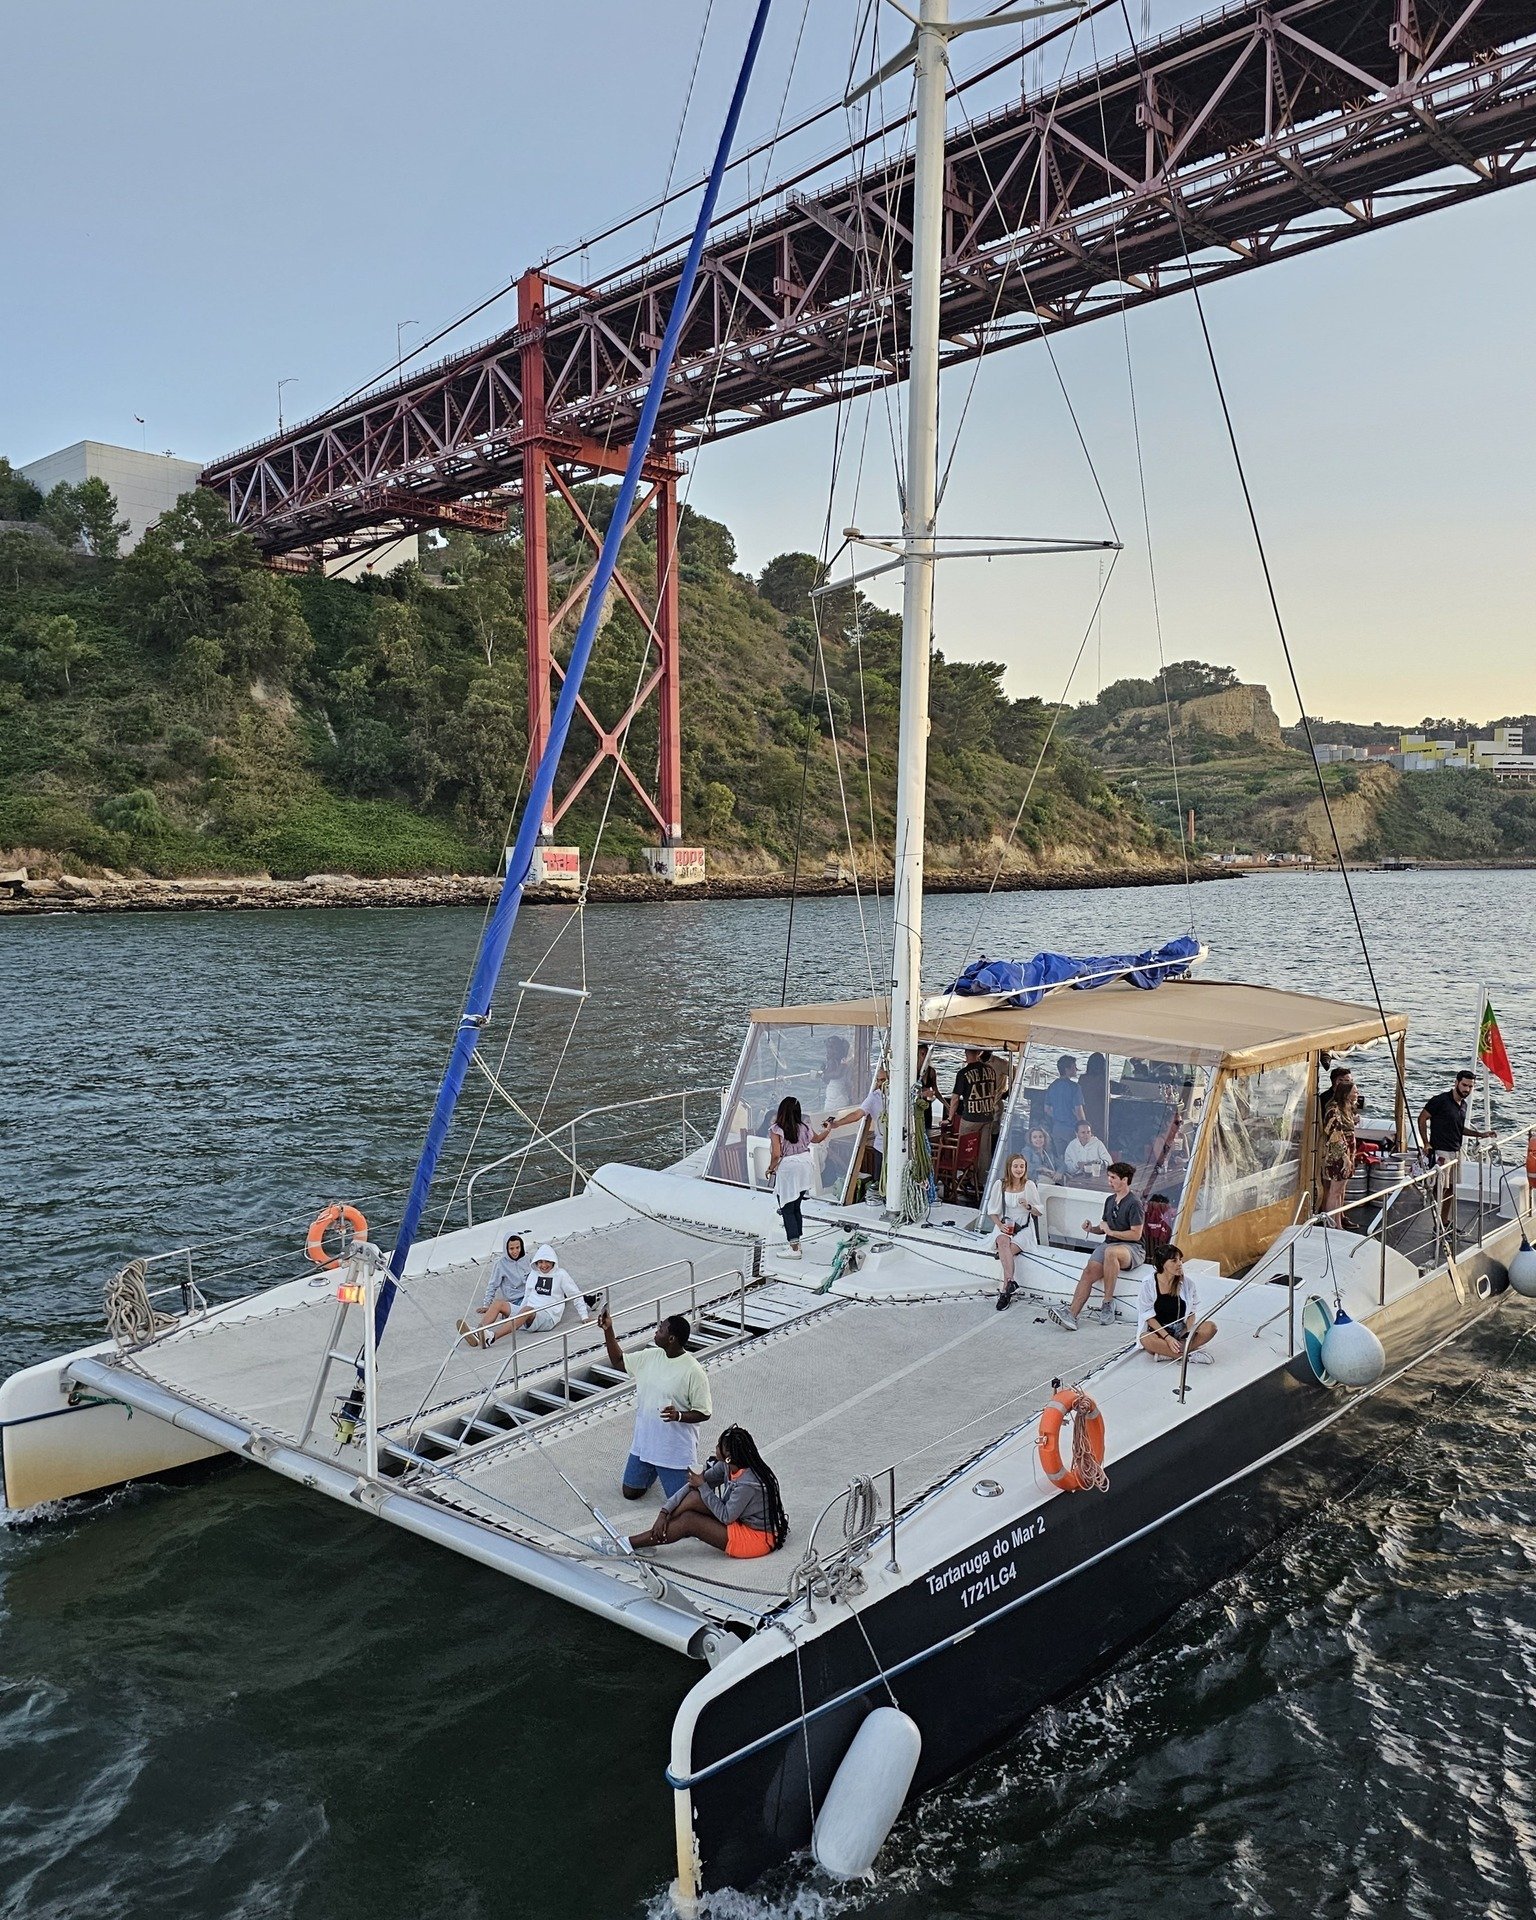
{"x":794,"y":1221}
{"x":640,"y":1474}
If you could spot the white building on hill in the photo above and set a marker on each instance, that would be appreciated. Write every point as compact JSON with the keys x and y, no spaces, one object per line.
{"x":145,"y":485}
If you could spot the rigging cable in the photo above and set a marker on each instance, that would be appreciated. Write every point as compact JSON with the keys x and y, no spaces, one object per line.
{"x":672,"y":561}
{"x":1146,"y":514}
{"x":1175,"y":202}
{"x":842,"y":426}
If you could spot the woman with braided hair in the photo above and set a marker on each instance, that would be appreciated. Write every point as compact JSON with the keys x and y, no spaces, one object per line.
{"x":734,"y":1504}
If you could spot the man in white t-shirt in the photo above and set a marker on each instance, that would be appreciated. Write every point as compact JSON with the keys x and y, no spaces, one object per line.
{"x":1087,"y":1157}
{"x":871,"y":1108}
{"x":671,"y":1401}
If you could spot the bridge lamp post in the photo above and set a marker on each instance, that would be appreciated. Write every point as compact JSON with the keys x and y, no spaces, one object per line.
{"x":400,"y":327}
{"x":291,"y":381}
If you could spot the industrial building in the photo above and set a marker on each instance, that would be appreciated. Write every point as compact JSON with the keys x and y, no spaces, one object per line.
{"x":144,"y":485}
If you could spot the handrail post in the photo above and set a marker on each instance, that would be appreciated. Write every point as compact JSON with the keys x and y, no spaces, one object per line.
{"x":1290,"y":1304}
{"x":1381,"y":1289}
{"x":370,"y":1373}
{"x":892,"y":1565}
{"x":1482,"y":1184}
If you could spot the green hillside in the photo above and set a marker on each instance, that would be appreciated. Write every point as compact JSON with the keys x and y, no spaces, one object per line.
{"x":186,"y":710}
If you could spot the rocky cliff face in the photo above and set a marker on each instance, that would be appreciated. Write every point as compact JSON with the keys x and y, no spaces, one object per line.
{"x":1356,"y":815}
{"x":1232,"y":713}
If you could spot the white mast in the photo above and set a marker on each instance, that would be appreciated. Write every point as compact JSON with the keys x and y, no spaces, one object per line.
{"x":930,"y":48}
{"x":918,"y":526}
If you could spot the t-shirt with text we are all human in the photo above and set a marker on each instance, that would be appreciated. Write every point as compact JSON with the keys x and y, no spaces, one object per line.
{"x":661,"y":1381}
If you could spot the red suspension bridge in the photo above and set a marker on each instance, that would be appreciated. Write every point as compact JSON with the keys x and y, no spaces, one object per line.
{"x":1255,"y":133}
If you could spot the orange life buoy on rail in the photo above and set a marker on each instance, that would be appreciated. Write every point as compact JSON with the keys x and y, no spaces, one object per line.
{"x":1068,"y":1402}
{"x":320,"y":1226}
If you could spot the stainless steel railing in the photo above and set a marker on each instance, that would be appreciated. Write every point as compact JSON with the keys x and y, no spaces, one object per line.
{"x":1445,"y":1244}
{"x":519,"y":1361}
{"x":563,"y":1139}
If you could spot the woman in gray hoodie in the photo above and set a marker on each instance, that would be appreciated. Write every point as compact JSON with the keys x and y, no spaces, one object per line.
{"x":734,"y":1504}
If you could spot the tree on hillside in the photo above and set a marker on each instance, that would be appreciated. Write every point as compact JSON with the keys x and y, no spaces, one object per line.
{"x":19,"y":499}
{"x":193,"y":575}
{"x":99,"y":522}
{"x":84,"y":516}
{"x":704,"y":543}
{"x":787,"y":580}
{"x":1190,"y":679}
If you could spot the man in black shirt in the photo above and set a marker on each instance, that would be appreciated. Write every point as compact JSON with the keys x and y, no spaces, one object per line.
{"x":1442,"y":1128}
{"x":977,"y":1095}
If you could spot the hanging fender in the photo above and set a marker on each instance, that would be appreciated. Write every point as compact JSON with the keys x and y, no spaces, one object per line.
{"x":320,"y":1226}
{"x":867,"y":1793}
{"x":1069,"y":1403}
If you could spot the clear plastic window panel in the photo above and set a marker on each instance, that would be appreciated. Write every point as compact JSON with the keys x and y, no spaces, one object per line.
{"x":1145,"y":1111}
{"x":828,"y":1069}
{"x":1257,"y":1138}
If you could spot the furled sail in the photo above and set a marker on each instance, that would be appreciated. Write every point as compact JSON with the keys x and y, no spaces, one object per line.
{"x":1025,"y":983}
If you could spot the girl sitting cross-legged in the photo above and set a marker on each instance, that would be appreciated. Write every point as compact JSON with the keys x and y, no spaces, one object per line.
{"x":734,"y":1504}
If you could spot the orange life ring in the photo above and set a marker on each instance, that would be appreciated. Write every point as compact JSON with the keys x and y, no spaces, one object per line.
{"x":320,"y":1226}
{"x":1069,"y":1403}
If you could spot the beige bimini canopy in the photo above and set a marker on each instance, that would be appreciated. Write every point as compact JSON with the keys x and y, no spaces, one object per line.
{"x":1212,"y":1020}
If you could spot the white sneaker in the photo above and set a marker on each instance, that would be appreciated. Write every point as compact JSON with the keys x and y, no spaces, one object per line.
{"x":793,"y":1253}
{"x":1201,"y":1358}
{"x":1063,"y":1318}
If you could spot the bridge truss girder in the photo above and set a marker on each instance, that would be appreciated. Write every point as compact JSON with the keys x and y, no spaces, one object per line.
{"x":1261,"y":132}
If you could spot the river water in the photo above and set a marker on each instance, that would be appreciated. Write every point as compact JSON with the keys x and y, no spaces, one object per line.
{"x":225,"y":1697}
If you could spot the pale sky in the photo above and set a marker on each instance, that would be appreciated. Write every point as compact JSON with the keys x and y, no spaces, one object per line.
{"x":215,"y":197}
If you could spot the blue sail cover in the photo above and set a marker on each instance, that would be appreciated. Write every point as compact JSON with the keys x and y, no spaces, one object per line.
{"x":1026,"y":982}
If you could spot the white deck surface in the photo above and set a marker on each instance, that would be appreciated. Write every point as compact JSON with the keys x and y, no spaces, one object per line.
{"x":265,"y":1365}
{"x":850,"y":1389}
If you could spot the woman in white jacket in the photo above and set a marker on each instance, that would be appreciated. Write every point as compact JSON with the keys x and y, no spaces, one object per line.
{"x":547,"y":1290}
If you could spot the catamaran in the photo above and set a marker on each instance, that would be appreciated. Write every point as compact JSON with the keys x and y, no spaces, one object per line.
{"x":987,"y":1509}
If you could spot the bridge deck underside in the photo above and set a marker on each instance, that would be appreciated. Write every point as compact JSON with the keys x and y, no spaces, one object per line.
{"x":1255,"y":133}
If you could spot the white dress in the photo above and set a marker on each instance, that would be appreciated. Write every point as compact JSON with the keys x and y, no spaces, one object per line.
{"x":1014,"y":1207}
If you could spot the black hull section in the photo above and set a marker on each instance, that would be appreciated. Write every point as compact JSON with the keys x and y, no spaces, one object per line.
{"x":1044,"y":1610}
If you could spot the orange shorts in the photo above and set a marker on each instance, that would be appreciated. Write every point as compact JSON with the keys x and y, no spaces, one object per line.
{"x":746,"y":1543}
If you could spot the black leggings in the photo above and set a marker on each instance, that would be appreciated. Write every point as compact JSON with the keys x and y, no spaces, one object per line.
{"x":794,"y":1223}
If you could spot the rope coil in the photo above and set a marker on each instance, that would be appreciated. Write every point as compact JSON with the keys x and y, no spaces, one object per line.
{"x":132,"y":1319}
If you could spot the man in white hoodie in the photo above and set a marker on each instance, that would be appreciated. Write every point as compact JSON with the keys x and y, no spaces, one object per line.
{"x":547,"y":1291}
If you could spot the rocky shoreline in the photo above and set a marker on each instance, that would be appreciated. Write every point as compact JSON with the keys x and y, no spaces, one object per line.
{"x":65,"y":893}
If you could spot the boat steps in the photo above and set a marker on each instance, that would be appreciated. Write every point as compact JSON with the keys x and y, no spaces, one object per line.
{"x":508,"y":1410}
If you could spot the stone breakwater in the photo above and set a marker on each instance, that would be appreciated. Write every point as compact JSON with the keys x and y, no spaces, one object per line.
{"x":116,"y":894}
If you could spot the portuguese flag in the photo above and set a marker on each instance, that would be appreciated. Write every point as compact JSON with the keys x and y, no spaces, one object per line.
{"x":1491,"y":1052}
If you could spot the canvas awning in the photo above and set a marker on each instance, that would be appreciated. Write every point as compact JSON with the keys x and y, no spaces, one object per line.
{"x":1209,"y":1020}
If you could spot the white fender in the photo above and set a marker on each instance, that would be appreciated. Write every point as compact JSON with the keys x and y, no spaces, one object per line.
{"x":1522,"y":1272}
{"x":1352,"y":1354}
{"x":866,"y":1794}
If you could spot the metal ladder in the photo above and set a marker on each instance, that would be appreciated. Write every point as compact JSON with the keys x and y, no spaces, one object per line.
{"x":356,"y":1289}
